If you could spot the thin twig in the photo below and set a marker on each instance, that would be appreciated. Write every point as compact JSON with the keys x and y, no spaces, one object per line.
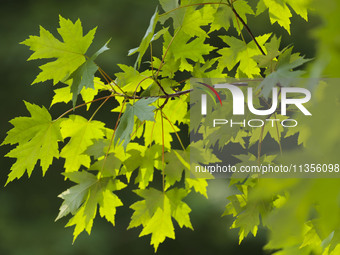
{"x":177,"y":94}
{"x":166,"y":52}
{"x":163,"y":158}
{"x":248,"y":30}
{"x":81,"y":105}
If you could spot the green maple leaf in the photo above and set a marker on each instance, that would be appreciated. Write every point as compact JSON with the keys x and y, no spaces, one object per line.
{"x":168,"y":5}
{"x":83,"y":77}
{"x":300,"y":7}
{"x":179,"y":210}
{"x":278,"y":12}
{"x":69,"y":54}
{"x":174,"y":168}
{"x":160,"y":226}
{"x":83,"y":200}
{"x":64,"y":95}
{"x":147,"y":39}
{"x":182,"y":50}
{"x":274,"y":129}
{"x":154,"y":214}
{"x":131,"y":80}
{"x":108,"y":166}
{"x":146,"y":161}
{"x":194,"y":20}
{"x":174,"y":113}
{"x":98,"y":148}
{"x":284,"y":75}
{"x":37,"y":138}
{"x":247,"y":221}
{"x":179,"y":161}
{"x":208,"y":70}
{"x":268,"y":60}
{"x":243,"y":9}
{"x":74,"y":197}
{"x":144,"y":209}
{"x":222,"y":18}
{"x":242,"y":53}
{"x":143,"y":110}
{"x":247,"y":213}
{"x":82,"y":133}
{"x":169,"y":69}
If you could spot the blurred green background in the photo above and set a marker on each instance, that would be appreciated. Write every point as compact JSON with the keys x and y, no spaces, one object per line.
{"x":28,"y":207}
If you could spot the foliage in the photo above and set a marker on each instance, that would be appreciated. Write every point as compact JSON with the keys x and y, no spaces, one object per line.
{"x":152,"y":101}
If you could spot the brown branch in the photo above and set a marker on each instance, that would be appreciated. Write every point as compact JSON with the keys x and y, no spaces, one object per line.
{"x":177,"y":94}
{"x":248,"y":30}
{"x":160,"y":86}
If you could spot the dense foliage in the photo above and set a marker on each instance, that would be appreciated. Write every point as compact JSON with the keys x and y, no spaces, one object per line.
{"x":137,"y":145}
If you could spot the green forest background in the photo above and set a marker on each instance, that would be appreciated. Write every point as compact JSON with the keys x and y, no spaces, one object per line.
{"x":28,"y":207}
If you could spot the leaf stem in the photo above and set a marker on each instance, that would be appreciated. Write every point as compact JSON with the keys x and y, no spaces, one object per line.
{"x":111,"y":140}
{"x":100,"y":106}
{"x":166,"y":52}
{"x":179,"y":139}
{"x":81,"y":105}
{"x":177,"y":94}
{"x":163,"y":159}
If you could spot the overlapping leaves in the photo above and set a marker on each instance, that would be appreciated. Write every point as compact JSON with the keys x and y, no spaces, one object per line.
{"x":97,"y":159}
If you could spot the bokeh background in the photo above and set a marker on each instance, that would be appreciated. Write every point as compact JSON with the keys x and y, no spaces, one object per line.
{"x":28,"y":207}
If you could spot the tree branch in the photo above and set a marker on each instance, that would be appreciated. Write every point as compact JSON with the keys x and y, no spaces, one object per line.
{"x":248,"y":30}
{"x":177,"y":94}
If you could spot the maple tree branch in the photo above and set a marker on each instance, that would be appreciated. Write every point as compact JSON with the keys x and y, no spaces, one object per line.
{"x":177,"y":94}
{"x":160,"y":86}
{"x":165,"y":102}
{"x":86,"y":103}
{"x":166,"y":52}
{"x":248,"y":29}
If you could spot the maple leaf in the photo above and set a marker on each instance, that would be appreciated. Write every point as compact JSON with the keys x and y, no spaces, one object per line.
{"x":168,"y":5}
{"x":69,"y":54}
{"x":83,"y":77}
{"x":142,"y":110}
{"x":154,"y":213}
{"x":268,"y":60}
{"x":131,"y":80}
{"x":64,"y":95}
{"x":194,"y":19}
{"x":285,"y":74}
{"x":222,"y":18}
{"x":271,"y":127}
{"x":82,"y":133}
{"x":74,"y":197}
{"x":37,"y":138}
{"x":147,"y":39}
{"x":182,"y":50}
{"x":279,"y":11}
{"x":242,"y":53}
{"x":153,"y":130}
{"x":83,"y":199}
{"x":146,"y":161}
{"x":179,"y":210}
{"x":107,"y":166}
